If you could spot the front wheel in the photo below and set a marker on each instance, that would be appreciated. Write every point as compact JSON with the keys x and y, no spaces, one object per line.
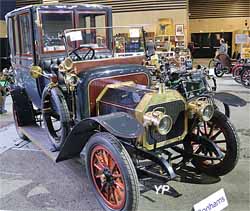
{"x":111,"y":173}
{"x":219,"y":130}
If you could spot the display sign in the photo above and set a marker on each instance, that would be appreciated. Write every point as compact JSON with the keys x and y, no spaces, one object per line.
{"x":215,"y":202}
{"x":134,"y":33}
{"x":75,"y":36}
{"x":241,"y":38}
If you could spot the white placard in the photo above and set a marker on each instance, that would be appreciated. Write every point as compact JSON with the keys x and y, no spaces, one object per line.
{"x":134,"y":33}
{"x":215,"y":202}
{"x":75,"y":35}
{"x":240,"y":38}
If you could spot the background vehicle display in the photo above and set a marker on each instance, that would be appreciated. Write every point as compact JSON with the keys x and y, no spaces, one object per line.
{"x":224,"y":64}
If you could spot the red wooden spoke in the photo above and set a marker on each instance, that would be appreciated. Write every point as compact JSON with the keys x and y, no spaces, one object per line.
{"x":120,"y":185}
{"x":116,"y":175}
{"x":112,"y":166}
{"x":205,"y":128}
{"x":98,"y":176}
{"x":99,"y":158}
{"x":216,"y":135}
{"x":219,"y":141}
{"x":99,"y":166}
{"x":117,"y":195}
{"x":211,"y":130}
{"x":105,"y":157}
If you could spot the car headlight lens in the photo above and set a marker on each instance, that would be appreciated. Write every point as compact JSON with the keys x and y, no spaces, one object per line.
{"x":203,"y":109}
{"x":164,"y":125}
{"x":207,"y":112}
{"x":161,"y":122}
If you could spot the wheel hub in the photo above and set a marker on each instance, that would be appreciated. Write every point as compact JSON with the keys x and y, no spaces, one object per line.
{"x":108,"y":176}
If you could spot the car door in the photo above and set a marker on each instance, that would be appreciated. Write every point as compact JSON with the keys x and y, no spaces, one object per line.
{"x":27,"y":57}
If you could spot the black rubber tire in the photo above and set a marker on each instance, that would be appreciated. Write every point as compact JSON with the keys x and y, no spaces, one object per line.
{"x":126,"y":165}
{"x":237,"y":74}
{"x":244,"y":82}
{"x":233,"y":149}
{"x":60,"y":105}
{"x":19,"y":132}
{"x":218,"y":73}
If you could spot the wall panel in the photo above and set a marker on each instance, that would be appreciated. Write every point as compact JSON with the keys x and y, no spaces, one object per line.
{"x":22,"y":3}
{"x":201,"y":9}
{"x":135,"y":5}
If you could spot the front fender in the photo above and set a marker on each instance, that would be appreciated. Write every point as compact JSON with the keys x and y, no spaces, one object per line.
{"x":230,"y":99}
{"x":120,"y":124}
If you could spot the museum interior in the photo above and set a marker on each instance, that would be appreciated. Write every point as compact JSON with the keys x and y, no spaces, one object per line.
{"x":125,"y":105}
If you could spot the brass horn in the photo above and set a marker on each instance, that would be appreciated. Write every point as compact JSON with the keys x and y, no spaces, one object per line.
{"x":36,"y":72}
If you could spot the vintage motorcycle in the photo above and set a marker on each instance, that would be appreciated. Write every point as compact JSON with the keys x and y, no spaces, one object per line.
{"x":223,"y":64}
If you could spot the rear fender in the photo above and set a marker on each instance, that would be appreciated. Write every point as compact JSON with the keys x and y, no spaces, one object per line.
{"x":22,"y":106}
{"x":120,"y":124}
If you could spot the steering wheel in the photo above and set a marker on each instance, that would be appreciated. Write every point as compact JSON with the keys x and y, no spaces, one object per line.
{"x":84,"y":57}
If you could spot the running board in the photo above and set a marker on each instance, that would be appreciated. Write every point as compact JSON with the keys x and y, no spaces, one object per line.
{"x":39,"y":137}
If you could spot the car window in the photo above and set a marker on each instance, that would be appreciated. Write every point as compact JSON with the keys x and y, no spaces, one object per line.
{"x":25,"y":35}
{"x":52,"y":26}
{"x":94,"y":36}
{"x":11,"y":35}
{"x":16,"y":36}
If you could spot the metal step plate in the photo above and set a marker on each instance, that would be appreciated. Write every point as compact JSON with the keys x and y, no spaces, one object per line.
{"x":39,"y":137}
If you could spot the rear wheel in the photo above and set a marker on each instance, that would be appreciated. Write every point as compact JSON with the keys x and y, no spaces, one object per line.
{"x":216,"y":67}
{"x":111,"y":173}
{"x":218,"y":70}
{"x":223,"y":134}
{"x":56,"y":116}
{"x":19,"y":132}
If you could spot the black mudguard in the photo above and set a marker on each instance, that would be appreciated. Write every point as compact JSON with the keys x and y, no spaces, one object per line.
{"x":230,"y":99}
{"x":22,"y":106}
{"x":120,"y":124}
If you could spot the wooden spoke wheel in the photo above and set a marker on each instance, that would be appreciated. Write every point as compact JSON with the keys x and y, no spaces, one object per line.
{"x":112,"y":173}
{"x":107,"y":177}
{"x":56,"y":116}
{"x":223,"y":134}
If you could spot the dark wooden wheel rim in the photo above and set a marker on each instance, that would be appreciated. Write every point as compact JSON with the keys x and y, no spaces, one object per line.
{"x":107,"y":177}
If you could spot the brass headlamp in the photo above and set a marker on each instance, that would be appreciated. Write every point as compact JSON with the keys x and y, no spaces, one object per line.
{"x":203,"y":109}
{"x":66,"y":65}
{"x":162,"y":122}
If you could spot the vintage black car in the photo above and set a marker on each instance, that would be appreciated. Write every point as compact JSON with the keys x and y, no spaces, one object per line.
{"x":73,"y":93}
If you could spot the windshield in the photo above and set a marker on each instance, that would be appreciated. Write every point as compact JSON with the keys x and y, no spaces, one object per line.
{"x":124,"y":40}
{"x":54,"y":23}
